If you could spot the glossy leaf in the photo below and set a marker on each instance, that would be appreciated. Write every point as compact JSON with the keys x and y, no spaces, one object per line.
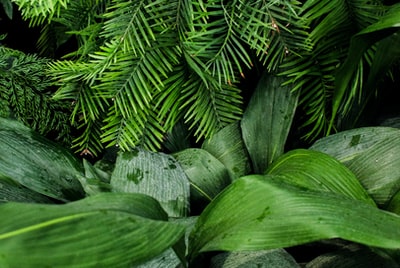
{"x":207,"y":175}
{"x":266,"y":121}
{"x":320,"y":172}
{"x":372,"y":154}
{"x":155,"y":174}
{"x":228,"y":147}
{"x":12,"y":191}
{"x":261,"y":212}
{"x":106,"y":230}
{"x":37,"y":163}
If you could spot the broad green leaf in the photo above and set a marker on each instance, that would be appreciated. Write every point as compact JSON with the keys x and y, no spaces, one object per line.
{"x":37,"y":163}
{"x":12,"y":191}
{"x":207,"y":175}
{"x":386,"y":26}
{"x":372,"y":154}
{"x":320,"y":172}
{"x":353,"y":256}
{"x":155,"y":174}
{"x":274,"y":258}
{"x":106,"y":230}
{"x":266,"y":121}
{"x":228,"y":147}
{"x":262,"y":212}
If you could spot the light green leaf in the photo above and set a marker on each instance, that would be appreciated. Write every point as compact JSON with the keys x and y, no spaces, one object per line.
{"x":106,"y":230}
{"x":320,"y":172}
{"x":228,"y":147}
{"x":274,"y":258}
{"x":266,"y":121}
{"x":155,"y":174}
{"x":261,"y":212}
{"x":372,"y":154}
{"x":37,"y":163}
{"x":207,"y":175}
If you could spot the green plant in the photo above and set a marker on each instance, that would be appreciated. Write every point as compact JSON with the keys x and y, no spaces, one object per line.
{"x":339,"y":188}
{"x":26,"y":94}
{"x":140,"y":67}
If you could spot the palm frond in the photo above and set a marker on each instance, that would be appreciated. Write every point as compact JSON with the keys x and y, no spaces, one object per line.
{"x":26,"y":89}
{"x":210,"y":107}
{"x":272,"y":29}
{"x":332,"y":24}
{"x":42,"y":11}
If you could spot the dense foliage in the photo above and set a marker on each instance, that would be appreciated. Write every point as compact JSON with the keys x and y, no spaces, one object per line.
{"x":198,"y":102}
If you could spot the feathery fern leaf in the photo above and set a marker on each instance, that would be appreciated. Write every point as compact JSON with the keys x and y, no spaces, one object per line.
{"x":25,"y":88}
{"x":332,"y":25}
{"x":41,"y":11}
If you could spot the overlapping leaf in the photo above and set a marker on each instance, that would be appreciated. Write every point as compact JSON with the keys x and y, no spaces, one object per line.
{"x":372,"y":154}
{"x":261,"y":212}
{"x":267,"y":120}
{"x":37,"y":163}
{"x":85,"y":233}
{"x":155,"y":174}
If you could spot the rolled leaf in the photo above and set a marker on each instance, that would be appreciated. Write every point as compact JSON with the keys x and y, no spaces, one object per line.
{"x":207,"y":175}
{"x":267,"y":119}
{"x":261,"y":212}
{"x":154,"y":174}
{"x":228,"y":147}
{"x":106,"y":230}
{"x":37,"y":163}
{"x":320,"y":172}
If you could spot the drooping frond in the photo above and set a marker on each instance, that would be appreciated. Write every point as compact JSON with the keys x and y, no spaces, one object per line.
{"x":40,"y":11}
{"x":25,"y":89}
{"x":272,"y":29}
{"x":209,"y":107}
{"x":332,"y":24}
{"x":80,"y":19}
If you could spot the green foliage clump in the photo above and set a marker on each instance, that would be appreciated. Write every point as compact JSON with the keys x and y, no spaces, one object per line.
{"x":26,"y":94}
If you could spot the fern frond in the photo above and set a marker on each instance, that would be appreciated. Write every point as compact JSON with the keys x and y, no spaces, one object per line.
{"x":210,"y":39}
{"x":332,"y":24}
{"x":272,"y":29}
{"x":25,"y":87}
{"x":41,"y":11}
{"x":143,"y":130}
{"x":210,"y":107}
{"x":89,"y":141}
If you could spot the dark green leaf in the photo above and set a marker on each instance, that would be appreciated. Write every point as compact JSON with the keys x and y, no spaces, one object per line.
{"x":228,"y":147}
{"x":37,"y":163}
{"x":372,"y":154}
{"x":207,"y":175}
{"x":8,"y":8}
{"x":267,"y":120}
{"x":274,"y":258}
